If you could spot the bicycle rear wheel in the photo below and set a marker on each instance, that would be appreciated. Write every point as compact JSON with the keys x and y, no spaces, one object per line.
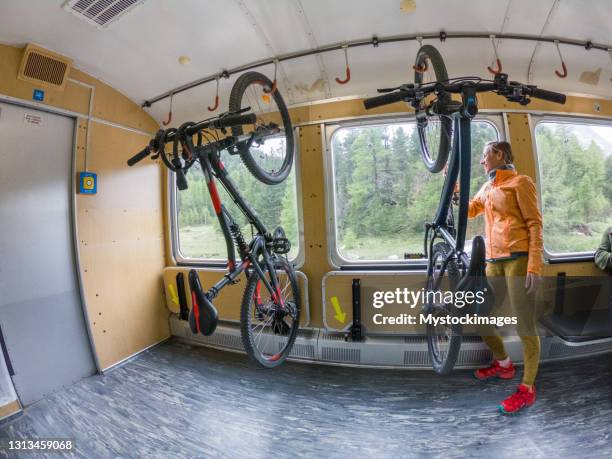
{"x":269,"y":327}
{"x":443,"y":340}
{"x":435,"y":131}
{"x":269,"y":161}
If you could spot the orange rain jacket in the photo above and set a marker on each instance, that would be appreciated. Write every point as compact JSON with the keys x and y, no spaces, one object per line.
{"x":513,"y":222}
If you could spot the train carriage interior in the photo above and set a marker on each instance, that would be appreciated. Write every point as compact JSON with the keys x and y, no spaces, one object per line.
{"x":305,"y":228}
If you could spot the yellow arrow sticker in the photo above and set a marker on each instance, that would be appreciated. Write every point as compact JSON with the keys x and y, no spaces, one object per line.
{"x":173,"y":295}
{"x":340,"y":315}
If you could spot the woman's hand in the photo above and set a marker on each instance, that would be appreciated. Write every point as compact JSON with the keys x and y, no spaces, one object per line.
{"x":532,"y":282}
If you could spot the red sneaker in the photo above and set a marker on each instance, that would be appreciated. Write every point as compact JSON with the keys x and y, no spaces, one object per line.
{"x":496,"y":371}
{"x":520,"y":399}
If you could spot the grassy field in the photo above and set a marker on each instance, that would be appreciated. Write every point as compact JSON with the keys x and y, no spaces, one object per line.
{"x":207,"y":241}
{"x":204,"y":241}
{"x":372,"y":248}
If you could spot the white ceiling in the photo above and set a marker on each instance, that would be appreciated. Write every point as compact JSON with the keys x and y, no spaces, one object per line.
{"x":138,"y":55}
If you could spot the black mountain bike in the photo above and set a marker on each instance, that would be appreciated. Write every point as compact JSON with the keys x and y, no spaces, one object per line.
{"x":441,"y":123}
{"x":270,"y":310}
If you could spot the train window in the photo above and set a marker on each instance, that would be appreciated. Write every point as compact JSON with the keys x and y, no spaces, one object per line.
{"x":383,"y":194}
{"x":198,"y":236}
{"x":575,"y":167}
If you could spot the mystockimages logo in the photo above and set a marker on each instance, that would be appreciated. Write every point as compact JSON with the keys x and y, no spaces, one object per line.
{"x":414,"y":298}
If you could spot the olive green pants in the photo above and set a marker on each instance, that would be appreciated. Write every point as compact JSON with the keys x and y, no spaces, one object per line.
{"x":511,"y":274}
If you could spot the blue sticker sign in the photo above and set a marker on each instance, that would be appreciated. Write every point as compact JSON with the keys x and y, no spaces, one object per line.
{"x":38,"y":95}
{"x":88,"y":183}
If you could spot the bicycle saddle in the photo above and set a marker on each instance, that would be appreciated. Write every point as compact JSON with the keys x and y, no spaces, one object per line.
{"x":475,"y":280}
{"x":203,"y":316}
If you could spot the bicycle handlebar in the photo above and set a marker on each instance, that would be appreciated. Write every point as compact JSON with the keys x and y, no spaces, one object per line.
{"x":139,"y":156}
{"x":512,"y":90}
{"x":386,"y":99}
{"x":551,"y":96}
{"x":221,"y":122}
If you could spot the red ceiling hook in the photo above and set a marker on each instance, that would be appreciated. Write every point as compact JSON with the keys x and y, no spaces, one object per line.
{"x":422,"y":69}
{"x":348,"y":69}
{"x":563,"y":66}
{"x":169,"y":120}
{"x":273,"y":88}
{"x":424,"y":66}
{"x":216,"y":105}
{"x":497,"y":60}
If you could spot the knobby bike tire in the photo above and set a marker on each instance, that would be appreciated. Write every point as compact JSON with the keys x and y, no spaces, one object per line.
{"x":282,"y":341}
{"x":442,"y":361}
{"x":428,"y":53}
{"x":246,"y":153}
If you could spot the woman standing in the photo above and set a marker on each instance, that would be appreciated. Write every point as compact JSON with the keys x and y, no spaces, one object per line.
{"x":513,"y":226}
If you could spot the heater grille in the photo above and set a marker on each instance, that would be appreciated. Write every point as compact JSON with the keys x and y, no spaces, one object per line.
{"x":100,"y":13}
{"x":44,"y":67}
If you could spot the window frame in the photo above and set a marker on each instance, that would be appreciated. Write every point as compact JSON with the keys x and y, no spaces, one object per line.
{"x":181,"y":260}
{"x":534,"y":121}
{"x":495,"y":117}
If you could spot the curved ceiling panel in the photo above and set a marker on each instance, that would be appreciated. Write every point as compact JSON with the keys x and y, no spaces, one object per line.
{"x":138,"y":54}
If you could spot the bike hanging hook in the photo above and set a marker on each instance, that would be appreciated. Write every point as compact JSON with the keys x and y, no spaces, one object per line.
{"x":498,"y":70}
{"x":562,"y":74}
{"x":348,"y":68}
{"x":169,"y":120}
{"x":273,"y":88}
{"x":423,"y":67}
{"x":214,"y":107}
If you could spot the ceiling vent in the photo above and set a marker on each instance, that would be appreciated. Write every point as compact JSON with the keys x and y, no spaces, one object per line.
{"x":43,"y":67}
{"x":100,"y":13}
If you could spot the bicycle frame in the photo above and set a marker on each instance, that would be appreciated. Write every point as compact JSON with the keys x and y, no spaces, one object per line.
{"x":459,"y":167}
{"x":211,"y":163}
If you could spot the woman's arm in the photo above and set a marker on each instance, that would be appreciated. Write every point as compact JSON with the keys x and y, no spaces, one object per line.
{"x":476,"y":206}
{"x":527,"y":199}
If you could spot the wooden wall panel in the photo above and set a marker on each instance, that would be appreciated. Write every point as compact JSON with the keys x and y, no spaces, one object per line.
{"x":121,"y":245}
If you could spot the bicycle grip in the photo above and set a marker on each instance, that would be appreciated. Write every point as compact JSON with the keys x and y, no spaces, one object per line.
{"x":138,"y":157}
{"x":551,"y":96}
{"x":181,"y":180}
{"x":233,"y":120}
{"x":385,"y":99}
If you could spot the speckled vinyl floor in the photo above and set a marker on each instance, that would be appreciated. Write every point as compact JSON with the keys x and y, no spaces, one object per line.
{"x":178,"y":400}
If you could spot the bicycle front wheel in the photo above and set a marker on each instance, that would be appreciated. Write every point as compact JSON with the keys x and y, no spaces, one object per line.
{"x":269,"y":325}
{"x":435,"y":132}
{"x":444,"y":339}
{"x":269,"y":160}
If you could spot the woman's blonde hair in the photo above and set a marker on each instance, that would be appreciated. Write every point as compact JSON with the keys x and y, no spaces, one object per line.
{"x":501,"y":147}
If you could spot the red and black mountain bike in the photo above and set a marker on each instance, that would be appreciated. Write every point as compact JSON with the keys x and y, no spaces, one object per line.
{"x":270,"y":310}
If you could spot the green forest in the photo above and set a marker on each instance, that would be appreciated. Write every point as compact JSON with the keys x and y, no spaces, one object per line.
{"x":200,"y":235}
{"x":384,"y":194}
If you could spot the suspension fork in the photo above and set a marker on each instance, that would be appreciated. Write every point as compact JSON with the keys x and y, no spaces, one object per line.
{"x":273,"y":287}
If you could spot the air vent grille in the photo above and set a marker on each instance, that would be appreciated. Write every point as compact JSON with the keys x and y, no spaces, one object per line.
{"x":416,"y":358}
{"x":339,"y":354}
{"x":44,"y":68}
{"x":300,"y":351}
{"x":100,"y":13}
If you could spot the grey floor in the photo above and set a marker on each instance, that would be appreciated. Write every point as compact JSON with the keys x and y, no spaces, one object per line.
{"x":178,"y":400}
